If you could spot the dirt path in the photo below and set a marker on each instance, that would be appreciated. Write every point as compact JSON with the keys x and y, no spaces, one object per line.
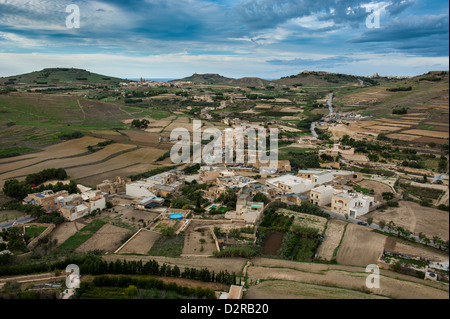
{"x":413,"y":219}
{"x":444,"y":198}
{"x":81,"y":108}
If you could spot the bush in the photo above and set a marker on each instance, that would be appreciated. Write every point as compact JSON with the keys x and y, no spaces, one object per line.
{"x":392,"y":204}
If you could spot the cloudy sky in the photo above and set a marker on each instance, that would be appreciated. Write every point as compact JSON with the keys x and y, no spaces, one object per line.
{"x":235,"y":38}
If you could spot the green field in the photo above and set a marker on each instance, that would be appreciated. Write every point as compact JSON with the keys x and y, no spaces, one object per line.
{"x":168,"y":246}
{"x":34,"y":231}
{"x":80,"y":237}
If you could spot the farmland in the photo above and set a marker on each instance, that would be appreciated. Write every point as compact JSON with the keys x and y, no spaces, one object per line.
{"x":299,"y":251}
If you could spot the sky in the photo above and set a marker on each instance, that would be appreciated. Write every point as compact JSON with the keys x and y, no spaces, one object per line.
{"x":235,"y":38}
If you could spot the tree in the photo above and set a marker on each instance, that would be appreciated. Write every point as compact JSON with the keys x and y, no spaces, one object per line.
{"x":260,"y":197}
{"x":131,"y":292}
{"x":400,"y":231}
{"x":382,"y":224}
{"x":391,"y":225}
{"x":438,"y":241}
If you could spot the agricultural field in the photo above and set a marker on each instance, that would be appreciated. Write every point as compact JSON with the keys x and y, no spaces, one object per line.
{"x":360,"y":246}
{"x":306,"y":220}
{"x":334,"y":280}
{"x":107,"y":239}
{"x":113,"y":160}
{"x":416,"y":218}
{"x":199,"y":243}
{"x":287,"y":289}
{"x":141,"y":244}
{"x":333,"y":235}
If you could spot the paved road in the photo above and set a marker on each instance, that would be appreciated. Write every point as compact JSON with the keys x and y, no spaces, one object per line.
{"x":18,"y":221}
{"x":330,"y":108}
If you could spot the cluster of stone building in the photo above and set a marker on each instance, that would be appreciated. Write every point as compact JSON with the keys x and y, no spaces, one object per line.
{"x":325,"y":188}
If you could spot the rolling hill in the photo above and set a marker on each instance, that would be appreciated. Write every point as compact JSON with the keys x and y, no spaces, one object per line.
{"x":60,"y":77}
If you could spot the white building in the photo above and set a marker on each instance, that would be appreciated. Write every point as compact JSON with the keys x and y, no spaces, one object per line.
{"x":140,"y":189}
{"x":289,"y":184}
{"x":352,"y":204}
{"x":322,"y":195}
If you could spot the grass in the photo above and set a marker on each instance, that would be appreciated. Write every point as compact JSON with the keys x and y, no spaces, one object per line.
{"x":34,"y":231}
{"x":168,"y":246}
{"x":9,"y":215}
{"x":79,"y":238}
{"x":15,"y":151}
{"x":362,"y":189}
{"x":422,"y":191}
{"x":425,"y":127}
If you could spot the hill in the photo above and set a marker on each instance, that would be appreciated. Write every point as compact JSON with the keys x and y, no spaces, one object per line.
{"x":324,"y":79}
{"x":248,"y":81}
{"x":205,"y":79}
{"x":59,"y":77}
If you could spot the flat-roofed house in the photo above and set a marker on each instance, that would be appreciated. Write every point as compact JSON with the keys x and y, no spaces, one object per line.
{"x":289,"y":184}
{"x":47,"y":199}
{"x":72,"y":213}
{"x":351,"y":203}
{"x":322,"y":195}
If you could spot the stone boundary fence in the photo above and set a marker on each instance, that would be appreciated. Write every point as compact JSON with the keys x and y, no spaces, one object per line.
{"x":35,"y":240}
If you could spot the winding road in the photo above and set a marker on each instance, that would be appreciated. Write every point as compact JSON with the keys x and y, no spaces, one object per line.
{"x":330,"y":108}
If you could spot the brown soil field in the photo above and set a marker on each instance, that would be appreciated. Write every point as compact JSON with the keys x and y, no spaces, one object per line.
{"x":403,"y":247}
{"x":399,"y":126}
{"x":141,"y":156}
{"x":107,"y":238}
{"x":65,"y":230}
{"x":141,"y":244}
{"x":384,"y":128}
{"x":70,"y":162}
{"x":360,"y":246}
{"x":213,"y":264}
{"x":403,"y":137}
{"x":333,"y":236}
{"x":272,"y":243}
{"x":428,"y":133}
{"x":441,"y":128}
{"x":142,"y":138}
{"x":128,"y":213}
{"x":416,"y":218}
{"x":192,"y":245}
{"x":263,"y":106}
{"x":97,"y":178}
{"x":378,"y":187}
{"x":283,"y":289}
{"x":397,"y":121}
{"x":431,"y":139}
{"x":392,"y":284}
{"x":61,"y":150}
{"x":356,"y":157}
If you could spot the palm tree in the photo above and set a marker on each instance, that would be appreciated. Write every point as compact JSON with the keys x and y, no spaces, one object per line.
{"x":391,"y":225}
{"x":438,"y":241}
{"x":400,"y":231}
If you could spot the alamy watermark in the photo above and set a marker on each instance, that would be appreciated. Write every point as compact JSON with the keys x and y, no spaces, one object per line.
{"x":73,"y":19}
{"x":373,"y":280}
{"x":73,"y":279}
{"x":239,"y":145}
